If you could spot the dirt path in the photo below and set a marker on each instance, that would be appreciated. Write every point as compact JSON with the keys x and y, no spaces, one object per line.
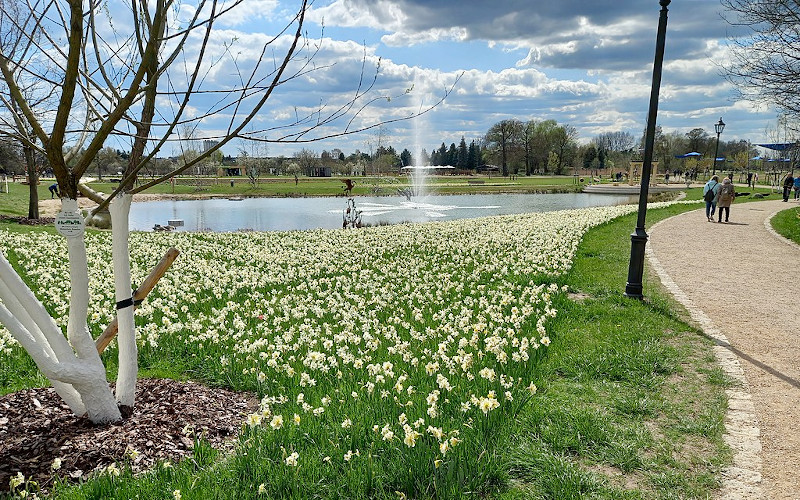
{"x":49,"y":207}
{"x":741,"y":280}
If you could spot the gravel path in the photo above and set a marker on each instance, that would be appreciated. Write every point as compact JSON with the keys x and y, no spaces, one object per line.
{"x":739,"y":281}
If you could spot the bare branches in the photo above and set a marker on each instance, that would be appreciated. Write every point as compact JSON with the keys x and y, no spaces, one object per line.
{"x":163,"y":74}
{"x":766,"y":64}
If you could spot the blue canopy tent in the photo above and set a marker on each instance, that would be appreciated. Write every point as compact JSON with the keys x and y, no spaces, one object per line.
{"x":782,"y":146}
{"x":687,"y":155}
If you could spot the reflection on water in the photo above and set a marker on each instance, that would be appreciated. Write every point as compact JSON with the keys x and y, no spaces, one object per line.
{"x":278,"y":214}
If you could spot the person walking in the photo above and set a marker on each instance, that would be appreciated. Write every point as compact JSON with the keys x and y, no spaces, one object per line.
{"x":788,"y":184}
{"x":725,"y":197}
{"x":710,"y":191}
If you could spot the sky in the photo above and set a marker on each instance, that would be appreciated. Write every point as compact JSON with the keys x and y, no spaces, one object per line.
{"x":587,"y":64}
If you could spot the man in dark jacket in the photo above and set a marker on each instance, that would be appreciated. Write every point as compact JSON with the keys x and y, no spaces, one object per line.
{"x":788,"y":184}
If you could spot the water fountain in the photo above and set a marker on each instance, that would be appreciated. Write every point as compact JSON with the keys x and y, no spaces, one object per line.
{"x":418,"y":175}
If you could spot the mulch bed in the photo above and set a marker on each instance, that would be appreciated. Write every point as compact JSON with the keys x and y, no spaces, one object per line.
{"x":41,"y":221}
{"x":36,"y":427}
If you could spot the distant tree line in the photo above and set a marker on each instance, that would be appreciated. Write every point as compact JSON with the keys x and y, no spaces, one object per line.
{"x":514,"y":147}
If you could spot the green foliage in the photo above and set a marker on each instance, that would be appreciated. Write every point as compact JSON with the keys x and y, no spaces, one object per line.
{"x":787,"y":224}
{"x":630,"y":401}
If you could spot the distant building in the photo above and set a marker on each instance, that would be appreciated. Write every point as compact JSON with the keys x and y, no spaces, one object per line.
{"x":318,"y":171}
{"x":208,"y":144}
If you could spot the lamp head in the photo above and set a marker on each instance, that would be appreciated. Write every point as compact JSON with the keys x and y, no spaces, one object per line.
{"x":719,"y":126}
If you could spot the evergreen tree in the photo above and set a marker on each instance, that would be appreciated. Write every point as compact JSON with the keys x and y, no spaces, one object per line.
{"x":589,"y":156}
{"x":461,"y":159}
{"x":452,"y":155}
{"x":473,"y":156}
{"x":405,"y":158}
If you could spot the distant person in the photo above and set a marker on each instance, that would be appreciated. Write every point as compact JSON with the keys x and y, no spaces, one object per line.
{"x":710,"y":191}
{"x":53,"y":190}
{"x":797,"y":188}
{"x":725,"y":197}
{"x":666,"y":177}
{"x":788,"y":185}
{"x":755,"y":178}
{"x":750,"y":180}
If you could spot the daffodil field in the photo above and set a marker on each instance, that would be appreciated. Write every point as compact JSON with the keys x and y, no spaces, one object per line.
{"x":387,"y":359}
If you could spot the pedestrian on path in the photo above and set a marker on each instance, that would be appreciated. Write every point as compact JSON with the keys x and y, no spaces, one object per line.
{"x":788,"y":184}
{"x":725,"y":195}
{"x":710,"y":191}
{"x":797,"y":187}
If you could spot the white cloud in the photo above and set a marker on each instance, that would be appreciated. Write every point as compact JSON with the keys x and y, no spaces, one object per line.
{"x":588,"y":64}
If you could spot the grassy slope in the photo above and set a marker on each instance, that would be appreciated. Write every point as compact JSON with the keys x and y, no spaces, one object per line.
{"x":787,"y":224}
{"x":633,"y":404}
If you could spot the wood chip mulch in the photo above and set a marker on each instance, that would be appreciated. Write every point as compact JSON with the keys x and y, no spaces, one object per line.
{"x":36,"y":427}
{"x":41,"y":221}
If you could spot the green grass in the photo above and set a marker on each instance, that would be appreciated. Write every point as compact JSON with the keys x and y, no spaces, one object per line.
{"x":787,"y":224}
{"x":633,"y":405}
{"x":630,"y":406}
{"x":332,"y":186}
{"x":15,"y":201}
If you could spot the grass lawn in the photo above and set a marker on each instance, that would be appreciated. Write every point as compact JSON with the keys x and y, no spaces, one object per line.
{"x":787,"y":224}
{"x":15,"y":201}
{"x":333,"y":186}
{"x":416,"y":361}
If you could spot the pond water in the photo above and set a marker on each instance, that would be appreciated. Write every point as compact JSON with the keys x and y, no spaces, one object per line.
{"x":279,"y":214}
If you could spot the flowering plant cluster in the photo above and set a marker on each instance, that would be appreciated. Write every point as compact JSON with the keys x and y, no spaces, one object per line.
{"x":411,"y":340}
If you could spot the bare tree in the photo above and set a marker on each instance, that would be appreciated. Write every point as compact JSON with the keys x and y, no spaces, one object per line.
{"x":503,"y":140}
{"x":765,"y":64}
{"x":15,"y":30}
{"x":107,"y":85}
{"x":564,"y":138}
{"x":615,"y":141}
{"x":307,"y":159}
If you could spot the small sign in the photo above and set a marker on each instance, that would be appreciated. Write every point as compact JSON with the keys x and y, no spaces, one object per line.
{"x":69,"y":224}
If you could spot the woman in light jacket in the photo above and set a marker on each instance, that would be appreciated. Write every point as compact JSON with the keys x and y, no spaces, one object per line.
{"x":711,"y":205}
{"x":725,"y":197}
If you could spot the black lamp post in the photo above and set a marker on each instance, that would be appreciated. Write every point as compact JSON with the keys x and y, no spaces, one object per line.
{"x":718,"y":128}
{"x":633,"y":288}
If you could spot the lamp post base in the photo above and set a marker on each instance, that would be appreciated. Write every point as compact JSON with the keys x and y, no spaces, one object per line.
{"x":634,"y":287}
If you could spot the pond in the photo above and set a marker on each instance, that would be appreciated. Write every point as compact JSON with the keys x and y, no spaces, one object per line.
{"x":280,"y":214}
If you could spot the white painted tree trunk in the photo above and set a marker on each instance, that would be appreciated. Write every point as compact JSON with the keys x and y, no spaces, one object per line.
{"x":74,"y":368}
{"x":120,"y":209}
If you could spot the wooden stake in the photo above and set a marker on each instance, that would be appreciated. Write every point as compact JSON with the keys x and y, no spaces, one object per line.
{"x":144,"y":289}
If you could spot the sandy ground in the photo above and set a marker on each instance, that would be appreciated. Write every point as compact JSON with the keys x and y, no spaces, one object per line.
{"x":744,"y":278}
{"x":50,"y":207}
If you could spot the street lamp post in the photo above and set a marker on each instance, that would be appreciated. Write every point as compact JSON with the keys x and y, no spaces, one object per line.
{"x":718,"y":128}
{"x":633,"y":288}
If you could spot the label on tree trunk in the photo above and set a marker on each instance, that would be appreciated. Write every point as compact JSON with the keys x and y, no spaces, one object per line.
{"x":69,"y":223}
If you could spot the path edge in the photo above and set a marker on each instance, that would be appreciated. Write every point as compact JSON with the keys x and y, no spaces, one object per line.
{"x":742,"y":478}
{"x":776,"y":234}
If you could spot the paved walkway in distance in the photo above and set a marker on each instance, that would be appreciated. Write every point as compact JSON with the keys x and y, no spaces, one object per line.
{"x":740,"y":282}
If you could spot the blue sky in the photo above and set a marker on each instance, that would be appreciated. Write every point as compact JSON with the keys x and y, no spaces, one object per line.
{"x":586,"y":64}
